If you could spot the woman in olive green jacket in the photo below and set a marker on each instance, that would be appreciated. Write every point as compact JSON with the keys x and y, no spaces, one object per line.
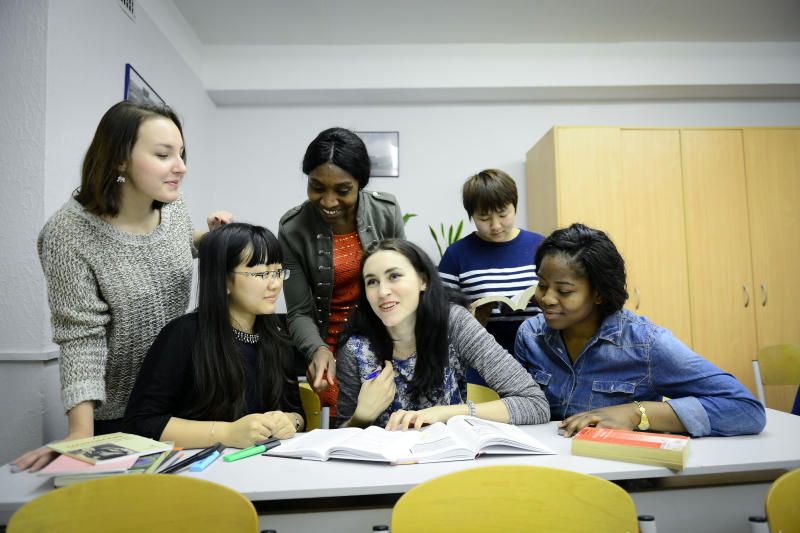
{"x":323,"y":240}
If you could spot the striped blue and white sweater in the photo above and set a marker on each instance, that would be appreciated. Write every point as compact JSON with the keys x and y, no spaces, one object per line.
{"x":480,"y":268}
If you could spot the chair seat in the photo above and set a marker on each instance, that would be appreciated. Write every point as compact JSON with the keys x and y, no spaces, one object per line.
{"x":515,"y":498}
{"x":152,"y":503}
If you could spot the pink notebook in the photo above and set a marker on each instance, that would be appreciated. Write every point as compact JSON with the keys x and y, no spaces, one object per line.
{"x":64,"y":464}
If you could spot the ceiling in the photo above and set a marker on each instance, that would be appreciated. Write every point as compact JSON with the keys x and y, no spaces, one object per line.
{"x":350,"y":22}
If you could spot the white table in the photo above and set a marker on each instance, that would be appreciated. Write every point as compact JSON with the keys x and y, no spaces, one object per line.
{"x":724,"y":481}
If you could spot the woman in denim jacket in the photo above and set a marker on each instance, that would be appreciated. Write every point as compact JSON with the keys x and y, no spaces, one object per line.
{"x":601,"y":365}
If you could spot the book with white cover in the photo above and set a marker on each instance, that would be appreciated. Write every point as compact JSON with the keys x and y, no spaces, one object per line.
{"x":462,"y":438}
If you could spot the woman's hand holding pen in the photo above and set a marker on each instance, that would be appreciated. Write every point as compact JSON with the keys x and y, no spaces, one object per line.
{"x":376,"y":394}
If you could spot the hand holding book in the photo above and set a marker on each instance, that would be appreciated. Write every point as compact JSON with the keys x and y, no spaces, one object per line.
{"x":625,"y":416}
{"x":616,"y":417}
{"x":518,"y":302}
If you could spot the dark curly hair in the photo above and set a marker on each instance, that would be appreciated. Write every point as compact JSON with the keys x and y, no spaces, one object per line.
{"x":594,"y":255}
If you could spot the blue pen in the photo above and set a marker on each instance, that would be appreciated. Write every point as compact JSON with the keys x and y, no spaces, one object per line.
{"x":199,"y":466}
{"x":372,"y":375}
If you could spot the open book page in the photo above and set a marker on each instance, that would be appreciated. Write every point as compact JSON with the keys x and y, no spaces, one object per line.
{"x":314,"y":445}
{"x":518,"y":302}
{"x":461,"y":439}
{"x":438,"y":443}
{"x":376,"y":444}
{"x":489,"y":437}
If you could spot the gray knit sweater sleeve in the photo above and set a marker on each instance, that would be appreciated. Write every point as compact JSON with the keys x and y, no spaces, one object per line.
{"x":110,"y":293}
{"x":524,"y":399}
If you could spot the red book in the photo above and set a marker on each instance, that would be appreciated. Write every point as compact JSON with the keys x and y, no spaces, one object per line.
{"x":658,"y":449}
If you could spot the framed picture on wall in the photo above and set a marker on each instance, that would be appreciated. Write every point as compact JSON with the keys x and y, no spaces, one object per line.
{"x":384,"y":152}
{"x":138,"y":90}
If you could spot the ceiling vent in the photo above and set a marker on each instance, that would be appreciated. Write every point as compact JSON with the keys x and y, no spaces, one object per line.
{"x":128,"y":7}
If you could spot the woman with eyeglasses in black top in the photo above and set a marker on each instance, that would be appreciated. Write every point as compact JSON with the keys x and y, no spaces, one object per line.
{"x":224,"y":372}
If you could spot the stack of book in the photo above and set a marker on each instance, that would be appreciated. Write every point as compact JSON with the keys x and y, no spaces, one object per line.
{"x":657,"y":449}
{"x":95,"y":457}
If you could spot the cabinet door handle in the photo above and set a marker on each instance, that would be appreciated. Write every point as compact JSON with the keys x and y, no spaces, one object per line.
{"x":746,"y":295}
{"x":764,"y":295}
{"x":638,"y":300}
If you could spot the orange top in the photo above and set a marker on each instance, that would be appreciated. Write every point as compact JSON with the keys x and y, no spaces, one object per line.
{"x":347,"y":255}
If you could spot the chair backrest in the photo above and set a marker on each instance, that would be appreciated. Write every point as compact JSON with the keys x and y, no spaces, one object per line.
{"x":147,"y":502}
{"x":783,"y":503}
{"x":515,"y":498}
{"x":480,"y":393}
{"x":776,"y":365}
{"x":311,"y":406}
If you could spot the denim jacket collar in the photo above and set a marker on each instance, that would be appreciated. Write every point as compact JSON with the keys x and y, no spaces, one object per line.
{"x":610,"y":330}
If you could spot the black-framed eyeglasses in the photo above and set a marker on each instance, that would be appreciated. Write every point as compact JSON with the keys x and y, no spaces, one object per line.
{"x":282,"y":273}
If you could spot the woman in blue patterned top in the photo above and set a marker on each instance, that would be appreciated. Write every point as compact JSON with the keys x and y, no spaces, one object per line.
{"x":403,"y":358}
{"x":601,"y":365}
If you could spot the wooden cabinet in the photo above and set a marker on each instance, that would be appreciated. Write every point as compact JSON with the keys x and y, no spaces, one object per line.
{"x":626,"y":182}
{"x":718,"y":249}
{"x":707,"y":220}
{"x":772,"y":161}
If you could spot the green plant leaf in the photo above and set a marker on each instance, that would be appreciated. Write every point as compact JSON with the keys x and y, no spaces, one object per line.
{"x":407,"y":217}
{"x":458,"y":231}
{"x":436,"y":240}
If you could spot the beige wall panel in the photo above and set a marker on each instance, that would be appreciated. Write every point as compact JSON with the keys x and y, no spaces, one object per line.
{"x":655,"y":232}
{"x":718,"y":247}
{"x":542,"y":185}
{"x":590,"y":180}
{"x":772,"y":159}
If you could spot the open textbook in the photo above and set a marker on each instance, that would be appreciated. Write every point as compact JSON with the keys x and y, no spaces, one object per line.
{"x":519,"y":302}
{"x":462,"y":438}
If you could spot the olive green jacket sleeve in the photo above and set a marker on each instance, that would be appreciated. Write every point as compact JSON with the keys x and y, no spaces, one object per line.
{"x":307,"y":242}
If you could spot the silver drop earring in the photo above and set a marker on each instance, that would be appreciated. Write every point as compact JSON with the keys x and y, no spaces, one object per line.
{"x":120,"y":179}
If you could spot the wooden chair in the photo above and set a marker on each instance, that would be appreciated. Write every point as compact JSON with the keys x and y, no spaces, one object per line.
{"x":311,"y":407}
{"x":783,"y":503}
{"x":481,"y":393}
{"x":146,"y":502}
{"x":515,"y":498}
{"x":776,"y":365}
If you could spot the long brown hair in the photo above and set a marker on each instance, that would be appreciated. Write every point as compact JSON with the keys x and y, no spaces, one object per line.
{"x":111,"y":146}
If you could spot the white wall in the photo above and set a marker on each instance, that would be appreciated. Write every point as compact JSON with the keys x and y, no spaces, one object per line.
{"x":259,"y":150}
{"x":23,"y":56}
{"x":63,"y":65}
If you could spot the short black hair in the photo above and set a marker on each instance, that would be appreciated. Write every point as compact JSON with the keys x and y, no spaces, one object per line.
{"x":594,"y":255}
{"x":344,"y":149}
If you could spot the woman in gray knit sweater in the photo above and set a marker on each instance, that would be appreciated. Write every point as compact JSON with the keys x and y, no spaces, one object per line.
{"x":117,"y":258}
{"x":403,"y":359}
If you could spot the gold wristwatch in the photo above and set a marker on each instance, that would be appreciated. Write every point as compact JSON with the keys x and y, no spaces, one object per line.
{"x":644,"y":423}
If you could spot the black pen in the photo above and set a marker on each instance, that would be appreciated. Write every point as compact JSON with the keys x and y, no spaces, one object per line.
{"x":202,"y":454}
